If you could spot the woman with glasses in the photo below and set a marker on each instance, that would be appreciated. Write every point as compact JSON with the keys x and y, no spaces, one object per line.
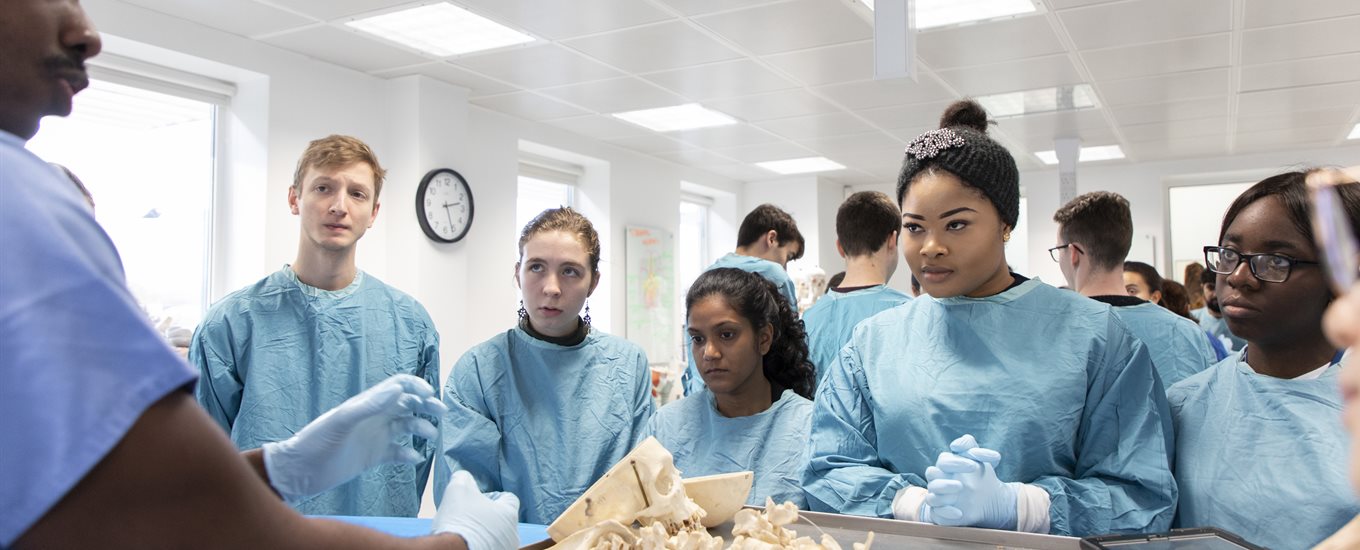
{"x":1260,"y":444}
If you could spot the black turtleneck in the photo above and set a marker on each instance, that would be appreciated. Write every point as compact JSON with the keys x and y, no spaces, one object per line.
{"x":576,"y":337}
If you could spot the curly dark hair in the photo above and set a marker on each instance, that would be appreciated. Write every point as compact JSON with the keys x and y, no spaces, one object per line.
{"x":786,"y":365}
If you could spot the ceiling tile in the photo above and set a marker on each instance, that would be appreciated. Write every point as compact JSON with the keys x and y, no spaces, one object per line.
{"x":724,"y":79}
{"x":1012,"y":76}
{"x":778,"y":150}
{"x":736,"y":135}
{"x":1069,"y":4}
{"x":243,"y":18}
{"x":1327,"y":37}
{"x":560,"y":20}
{"x":1204,"y":146}
{"x":744,"y":172}
{"x":1051,"y":125}
{"x":1029,"y":36}
{"x":654,"y":47}
{"x":868,"y":94}
{"x":1145,"y":21}
{"x":699,"y":7}
{"x":870,"y":145}
{"x":528,"y":105}
{"x":477,"y":85}
{"x":911,"y":133}
{"x":1301,"y":72}
{"x":651,"y":144}
{"x":828,"y":65}
{"x":327,"y":10}
{"x":1088,"y":138}
{"x":1176,"y":129}
{"x":537,"y":66}
{"x":788,"y":26}
{"x":1204,"y":52}
{"x":697,"y":157}
{"x":781,"y":104}
{"x":1264,"y":13}
{"x":1298,"y":99}
{"x":1288,"y":138}
{"x":617,"y":95}
{"x":924,"y":115}
{"x":831,"y":124}
{"x":599,"y":126}
{"x":1175,"y":110}
{"x":347,"y":49}
{"x":1337,"y":116}
{"x":1164,"y":88}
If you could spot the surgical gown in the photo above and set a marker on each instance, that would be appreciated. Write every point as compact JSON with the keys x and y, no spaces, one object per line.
{"x":1177,"y":345}
{"x":1051,"y":379}
{"x":1260,"y":456}
{"x":772,"y":272}
{"x":1218,"y":328}
{"x":543,"y":421}
{"x":833,"y":317}
{"x":277,"y":354}
{"x":773,"y":443}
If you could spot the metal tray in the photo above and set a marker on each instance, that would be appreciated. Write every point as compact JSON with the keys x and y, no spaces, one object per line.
{"x":893,"y":534}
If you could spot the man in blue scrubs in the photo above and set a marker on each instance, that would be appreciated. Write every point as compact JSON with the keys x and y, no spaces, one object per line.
{"x":1095,"y":232}
{"x":866,"y":236}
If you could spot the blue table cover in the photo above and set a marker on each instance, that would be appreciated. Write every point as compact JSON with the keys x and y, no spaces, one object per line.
{"x":414,"y":527}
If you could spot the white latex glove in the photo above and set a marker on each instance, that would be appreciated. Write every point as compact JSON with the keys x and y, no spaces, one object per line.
{"x":487,"y":521}
{"x":363,"y":432}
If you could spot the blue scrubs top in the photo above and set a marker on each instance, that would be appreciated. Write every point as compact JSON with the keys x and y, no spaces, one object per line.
{"x":834,"y":316}
{"x":1050,"y":379}
{"x":1177,"y":344}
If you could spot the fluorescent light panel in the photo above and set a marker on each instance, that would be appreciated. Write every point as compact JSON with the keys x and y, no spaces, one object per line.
{"x":801,"y":166}
{"x":940,"y":13}
{"x":1087,"y":154}
{"x":680,"y":117}
{"x":1355,"y":132}
{"x":1046,"y":100}
{"x":441,"y":30}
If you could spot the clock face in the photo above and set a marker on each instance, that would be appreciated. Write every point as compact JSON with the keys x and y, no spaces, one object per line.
{"x":444,"y":205}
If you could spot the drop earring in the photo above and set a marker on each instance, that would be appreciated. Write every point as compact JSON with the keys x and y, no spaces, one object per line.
{"x":586,"y":319}
{"x":522,"y":312}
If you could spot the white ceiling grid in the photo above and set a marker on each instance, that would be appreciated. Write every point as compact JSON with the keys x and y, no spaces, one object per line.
{"x":1173,"y":78}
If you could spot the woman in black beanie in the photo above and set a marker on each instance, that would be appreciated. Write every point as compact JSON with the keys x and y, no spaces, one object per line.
{"x":995,"y":401}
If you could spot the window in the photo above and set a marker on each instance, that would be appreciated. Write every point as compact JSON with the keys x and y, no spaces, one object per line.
{"x":148,"y":161}
{"x":1196,"y":214}
{"x":544,"y":183}
{"x":691,"y":242}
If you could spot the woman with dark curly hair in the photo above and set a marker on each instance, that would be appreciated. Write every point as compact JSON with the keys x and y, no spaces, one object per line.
{"x":751,"y":350}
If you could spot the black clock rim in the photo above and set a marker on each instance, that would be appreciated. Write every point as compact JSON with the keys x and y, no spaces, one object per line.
{"x":420,"y":206}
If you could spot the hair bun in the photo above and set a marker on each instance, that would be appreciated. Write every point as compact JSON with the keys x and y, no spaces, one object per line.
{"x":966,"y":113}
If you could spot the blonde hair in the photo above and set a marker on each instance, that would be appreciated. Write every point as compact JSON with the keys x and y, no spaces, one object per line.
{"x":335,"y":151}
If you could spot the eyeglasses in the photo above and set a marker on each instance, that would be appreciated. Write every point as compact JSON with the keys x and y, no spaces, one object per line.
{"x":1271,"y":268}
{"x":1053,"y":252}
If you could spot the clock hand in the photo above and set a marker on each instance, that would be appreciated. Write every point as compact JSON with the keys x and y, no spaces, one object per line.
{"x":448,"y":213}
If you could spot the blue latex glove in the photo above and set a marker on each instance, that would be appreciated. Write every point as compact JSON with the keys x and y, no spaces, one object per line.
{"x":964,"y":490}
{"x":365,"y":431}
{"x":487,"y":521}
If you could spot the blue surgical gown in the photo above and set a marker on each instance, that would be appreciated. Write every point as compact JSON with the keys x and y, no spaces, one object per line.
{"x":275,"y":355}
{"x":771,"y":271}
{"x":1218,"y":328}
{"x":1051,"y":379}
{"x":833,"y":317}
{"x":543,"y":421}
{"x":1260,"y":456}
{"x":1177,"y":345}
{"x":79,"y":361}
{"x":773,"y":443}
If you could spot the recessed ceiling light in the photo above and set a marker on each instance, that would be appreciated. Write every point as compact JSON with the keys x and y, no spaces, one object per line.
{"x":1087,"y":154}
{"x":441,"y":30}
{"x":680,"y":117}
{"x":940,"y":13}
{"x":1355,"y":132}
{"x":1046,"y":100}
{"x":801,"y":166}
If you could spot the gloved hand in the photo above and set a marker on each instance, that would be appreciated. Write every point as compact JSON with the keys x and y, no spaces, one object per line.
{"x":964,"y":490}
{"x":363,"y":432}
{"x":487,"y":521}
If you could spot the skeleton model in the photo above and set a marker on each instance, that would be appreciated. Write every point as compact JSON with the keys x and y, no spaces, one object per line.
{"x":645,"y":489}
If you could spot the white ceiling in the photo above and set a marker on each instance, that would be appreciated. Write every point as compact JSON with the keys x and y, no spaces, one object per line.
{"x":1174,"y":78}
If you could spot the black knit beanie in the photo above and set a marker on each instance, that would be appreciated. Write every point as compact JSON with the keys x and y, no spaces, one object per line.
{"x":961,"y":146}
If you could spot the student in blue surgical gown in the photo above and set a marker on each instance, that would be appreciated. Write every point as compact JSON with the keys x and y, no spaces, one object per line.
{"x":996,"y":401}
{"x":755,"y":410}
{"x":546,"y":408}
{"x":1260,"y":444}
